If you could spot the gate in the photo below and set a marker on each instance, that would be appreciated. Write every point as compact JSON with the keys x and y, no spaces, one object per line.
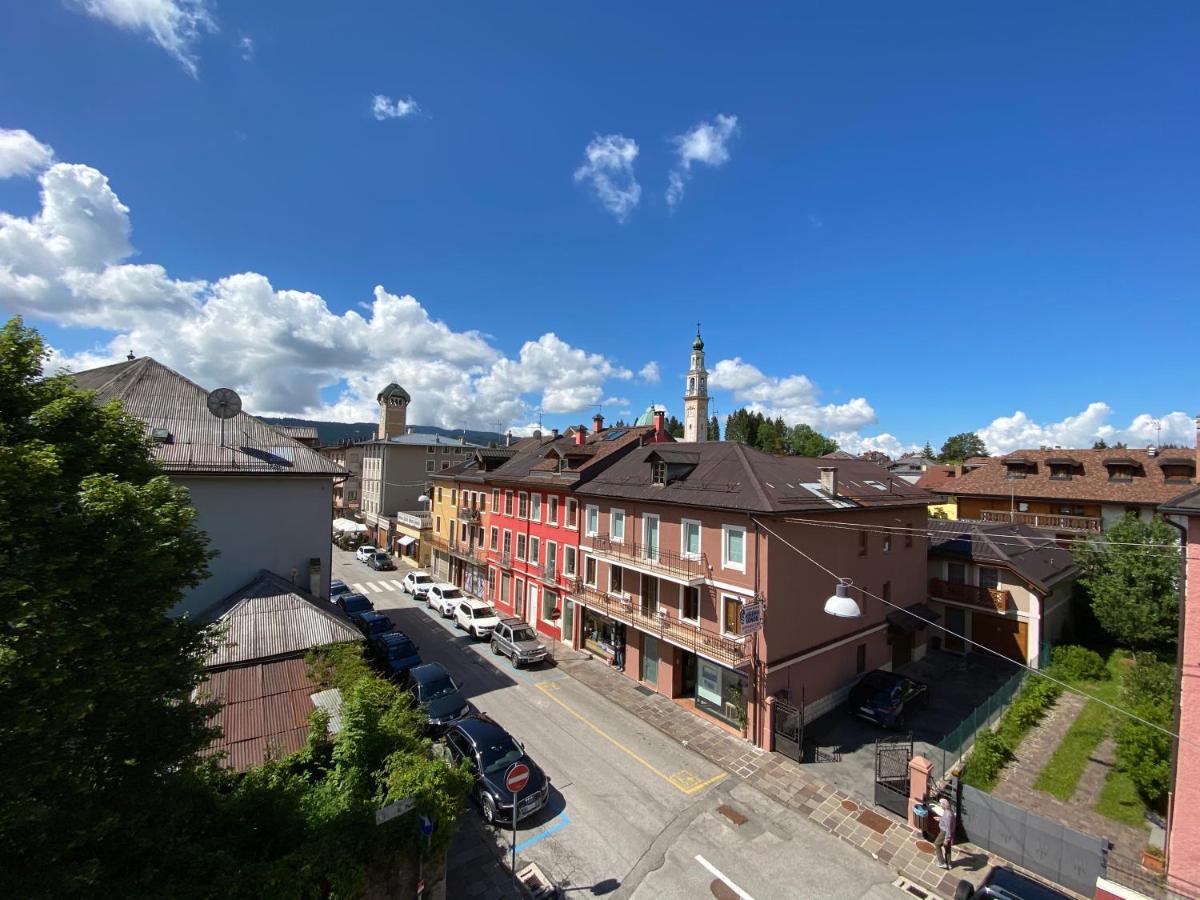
{"x":891,"y":774}
{"x":787,"y":730}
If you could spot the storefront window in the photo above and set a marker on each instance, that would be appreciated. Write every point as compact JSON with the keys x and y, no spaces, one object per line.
{"x":599,"y":633}
{"x":720,"y":692}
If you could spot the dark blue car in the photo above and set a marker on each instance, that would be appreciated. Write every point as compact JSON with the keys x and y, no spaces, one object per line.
{"x":395,"y":654}
{"x":337,"y":588}
{"x":354,"y":606}
{"x":373,"y":624}
{"x":438,"y":696}
{"x":887,"y":698}
{"x":489,"y":751}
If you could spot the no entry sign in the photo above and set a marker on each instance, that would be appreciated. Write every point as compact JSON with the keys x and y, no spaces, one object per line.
{"x":516,"y":777}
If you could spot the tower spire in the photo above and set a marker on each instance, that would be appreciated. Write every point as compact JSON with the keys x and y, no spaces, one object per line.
{"x":695,"y":398}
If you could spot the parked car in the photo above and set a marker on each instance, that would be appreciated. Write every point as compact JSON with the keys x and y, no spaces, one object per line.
{"x":354,"y":605}
{"x":381,"y":562}
{"x":489,"y":752}
{"x":475,"y":617}
{"x":417,"y":583}
{"x":887,"y":698}
{"x":1004,"y":883}
{"x":337,"y":588}
{"x":374,"y":624}
{"x":443,"y":598}
{"x":516,"y":639}
{"x":396,"y":654}
{"x":365,"y":552}
{"x":438,"y":695}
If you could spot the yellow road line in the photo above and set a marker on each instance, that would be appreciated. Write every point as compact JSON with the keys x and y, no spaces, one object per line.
{"x":682,"y":781}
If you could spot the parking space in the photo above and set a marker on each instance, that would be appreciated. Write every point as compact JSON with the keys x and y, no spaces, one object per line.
{"x":842,"y":745}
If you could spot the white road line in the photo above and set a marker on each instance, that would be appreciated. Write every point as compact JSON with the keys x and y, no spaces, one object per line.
{"x":357,"y":588}
{"x":717,"y":873}
{"x":397,"y":585}
{"x":373,"y":586}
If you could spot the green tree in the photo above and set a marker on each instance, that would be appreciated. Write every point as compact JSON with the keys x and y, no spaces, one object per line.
{"x":674,"y":427}
{"x":927,"y":451}
{"x":1144,"y":752}
{"x":1131,"y":573}
{"x":1101,"y":444}
{"x":96,"y":546}
{"x":961,"y":447}
{"x":714,"y":429}
{"x":807,"y":441}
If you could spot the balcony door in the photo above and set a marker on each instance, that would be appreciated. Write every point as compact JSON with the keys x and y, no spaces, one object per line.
{"x":533,"y":603}
{"x":649,"y":596}
{"x":650,"y":537}
{"x":956,"y":628}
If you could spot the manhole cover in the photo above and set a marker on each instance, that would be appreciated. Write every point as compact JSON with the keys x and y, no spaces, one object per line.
{"x":722,"y":891}
{"x":850,"y":805}
{"x":874,"y":821}
{"x":925,"y":846}
{"x":732,"y":815}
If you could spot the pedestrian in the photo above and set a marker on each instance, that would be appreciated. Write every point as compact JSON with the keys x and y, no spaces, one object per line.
{"x":944,"y":842}
{"x":619,"y":648}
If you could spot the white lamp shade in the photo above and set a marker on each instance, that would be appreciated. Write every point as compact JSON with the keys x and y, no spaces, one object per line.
{"x":841,"y":604}
{"x":422,"y":499}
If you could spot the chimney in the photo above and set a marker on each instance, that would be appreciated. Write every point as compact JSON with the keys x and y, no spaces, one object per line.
{"x":660,"y":424}
{"x":829,"y":480}
{"x":508,"y":439}
{"x":580,"y":436}
{"x":554,"y":432}
{"x":537,"y":434}
{"x":597,"y":423}
{"x":314,"y":577}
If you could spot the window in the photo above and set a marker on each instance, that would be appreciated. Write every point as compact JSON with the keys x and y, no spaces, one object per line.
{"x":445,"y":450}
{"x":507,"y":542}
{"x":956,"y":573}
{"x":437,"y":528}
{"x":482,"y":501}
{"x":522,"y":505}
{"x":454,"y":497}
{"x":505,"y":588}
{"x":689,"y":603}
{"x":650,"y":537}
{"x":572,"y":516}
{"x":616,"y":525}
{"x":731,"y":618}
{"x":689,"y":539}
{"x":535,"y":546}
{"x":862,"y":543}
{"x":429,"y":465}
{"x":495,"y":538}
{"x":887,"y":543}
{"x":989,"y":578}
{"x":615,"y":580}
{"x":439,"y":497}
{"x":535,"y":507}
{"x":860,"y":659}
{"x":592,"y":521}
{"x":908,"y":534}
{"x":491,"y":583}
{"x":658,"y":473}
{"x":1022,"y":506}
{"x":589,"y":571}
{"x":445,"y":463}
{"x":733,"y":547}
{"x":1120,"y":473}
{"x":551,"y":510}
{"x":649,"y":596}
{"x":464,"y":533}
{"x":569,"y":560}
{"x":520,"y":546}
{"x":429,"y":449}
{"x":551,"y":557}
{"x":549,"y":604}
{"x":495,"y":499}
{"x":519,"y":597}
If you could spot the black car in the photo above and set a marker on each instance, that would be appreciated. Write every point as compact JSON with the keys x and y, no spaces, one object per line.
{"x":373,"y":624}
{"x":337,"y":588}
{"x":396,"y":654}
{"x":438,"y":695}
{"x":354,"y":606}
{"x":381,"y":562}
{"x":1002,"y":883}
{"x":887,"y":698}
{"x":489,"y":752}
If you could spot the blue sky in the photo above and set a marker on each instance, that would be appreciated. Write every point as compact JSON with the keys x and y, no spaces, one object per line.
{"x":894,"y":223}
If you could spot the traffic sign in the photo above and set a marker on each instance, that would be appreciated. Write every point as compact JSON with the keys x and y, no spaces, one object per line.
{"x":392,"y":810}
{"x":516,"y":777}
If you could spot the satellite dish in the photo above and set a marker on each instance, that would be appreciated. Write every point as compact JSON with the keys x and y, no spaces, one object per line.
{"x":224,"y":403}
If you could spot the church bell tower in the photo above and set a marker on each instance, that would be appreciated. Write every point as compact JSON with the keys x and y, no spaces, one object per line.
{"x":695,"y":399}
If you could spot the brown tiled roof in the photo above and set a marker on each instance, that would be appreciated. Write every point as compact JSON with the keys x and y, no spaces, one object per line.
{"x":164,"y":399}
{"x":532,"y":463}
{"x":264,"y":709}
{"x":727,"y":475}
{"x":1089,"y":482}
{"x":938,"y":480}
{"x":1025,"y":550}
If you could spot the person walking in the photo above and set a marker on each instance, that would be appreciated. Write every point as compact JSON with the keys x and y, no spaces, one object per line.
{"x":619,"y":648}
{"x":944,"y":842}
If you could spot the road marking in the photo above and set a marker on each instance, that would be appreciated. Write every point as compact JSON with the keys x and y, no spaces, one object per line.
{"x":557,"y":825}
{"x":717,"y":874}
{"x":683,"y":780}
{"x":374,"y":588}
{"x":357,"y":588}
{"x":396,"y":585}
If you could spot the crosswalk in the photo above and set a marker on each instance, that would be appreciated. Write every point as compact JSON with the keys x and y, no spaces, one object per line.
{"x":376,"y":587}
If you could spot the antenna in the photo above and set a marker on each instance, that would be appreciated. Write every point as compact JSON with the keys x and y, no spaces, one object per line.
{"x":224,"y":403}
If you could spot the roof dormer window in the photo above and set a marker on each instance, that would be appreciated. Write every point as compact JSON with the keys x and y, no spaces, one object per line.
{"x":1062,"y":468}
{"x":1016,"y":467}
{"x":1121,"y":468}
{"x":1178,"y":469}
{"x":658,"y":473}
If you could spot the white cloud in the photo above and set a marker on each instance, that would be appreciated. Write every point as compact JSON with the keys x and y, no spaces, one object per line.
{"x":1019,"y":432}
{"x":706,"y":143}
{"x":281,"y":348}
{"x":246,"y":46}
{"x":608,"y":168}
{"x":649,"y":373}
{"x":853,"y":442}
{"x":21,"y":153}
{"x":174,"y":25}
{"x":794,"y":397}
{"x":384,"y":108}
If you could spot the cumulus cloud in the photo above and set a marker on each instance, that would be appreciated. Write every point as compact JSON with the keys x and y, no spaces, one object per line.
{"x":175,"y":25}
{"x":793,"y":397}
{"x":383,"y":107}
{"x":68,"y":264}
{"x":853,"y":442}
{"x":1020,"y":432}
{"x":706,"y":143}
{"x":608,"y":169}
{"x":21,"y":153}
{"x":649,"y":373}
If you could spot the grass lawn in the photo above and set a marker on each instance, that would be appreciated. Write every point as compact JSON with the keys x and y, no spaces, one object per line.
{"x":1120,"y":801}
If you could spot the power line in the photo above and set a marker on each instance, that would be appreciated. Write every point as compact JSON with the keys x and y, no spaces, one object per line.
{"x":1028,"y":668}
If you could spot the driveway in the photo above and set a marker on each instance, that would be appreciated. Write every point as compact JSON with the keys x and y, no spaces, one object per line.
{"x":845,"y":744}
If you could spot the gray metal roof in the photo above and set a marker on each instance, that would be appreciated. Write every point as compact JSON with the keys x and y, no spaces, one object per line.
{"x":1033,"y":556}
{"x":271,"y":618}
{"x":424,"y":440}
{"x":1186,"y":504}
{"x":168,"y":402}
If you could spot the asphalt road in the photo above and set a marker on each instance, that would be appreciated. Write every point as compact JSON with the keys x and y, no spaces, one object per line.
{"x":631,"y":813}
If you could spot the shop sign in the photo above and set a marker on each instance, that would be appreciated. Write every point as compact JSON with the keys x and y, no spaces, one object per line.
{"x":752,"y":617}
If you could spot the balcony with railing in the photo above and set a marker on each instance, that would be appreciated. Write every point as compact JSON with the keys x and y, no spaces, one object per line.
{"x":472,"y":553}
{"x":467,"y":514}
{"x":1044,"y":520}
{"x":656,"y":560}
{"x":988,"y":598}
{"x":721,"y":648}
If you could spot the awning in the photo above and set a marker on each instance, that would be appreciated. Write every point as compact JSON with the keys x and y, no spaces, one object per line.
{"x":348,"y":526}
{"x":902,"y":622}
{"x":405,"y":540}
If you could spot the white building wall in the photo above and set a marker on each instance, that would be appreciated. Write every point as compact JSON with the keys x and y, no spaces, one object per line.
{"x":274,"y":522}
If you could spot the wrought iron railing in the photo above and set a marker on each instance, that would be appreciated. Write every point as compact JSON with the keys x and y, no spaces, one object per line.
{"x":467,"y":514}
{"x":475,"y":553}
{"x":726,"y":649}
{"x":1044,"y":520}
{"x":653,"y":557}
{"x":969,"y":593}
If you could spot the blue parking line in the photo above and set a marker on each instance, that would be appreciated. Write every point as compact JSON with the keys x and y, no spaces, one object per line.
{"x":557,"y":825}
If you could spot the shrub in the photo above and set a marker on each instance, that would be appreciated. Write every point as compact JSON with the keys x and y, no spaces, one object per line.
{"x":1144,"y":752}
{"x":987,"y":760}
{"x":1078,"y":663}
{"x":994,"y":750}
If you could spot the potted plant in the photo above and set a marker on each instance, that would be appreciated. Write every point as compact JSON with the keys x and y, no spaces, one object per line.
{"x":1153,"y":860}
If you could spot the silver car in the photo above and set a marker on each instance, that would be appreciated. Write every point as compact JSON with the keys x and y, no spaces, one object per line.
{"x":516,"y":639}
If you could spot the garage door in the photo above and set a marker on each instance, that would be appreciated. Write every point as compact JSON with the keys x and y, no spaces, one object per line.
{"x":1007,"y":636}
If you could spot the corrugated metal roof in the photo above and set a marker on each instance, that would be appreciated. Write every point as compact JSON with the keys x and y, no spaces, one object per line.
{"x":271,"y":618}
{"x":166,"y":401}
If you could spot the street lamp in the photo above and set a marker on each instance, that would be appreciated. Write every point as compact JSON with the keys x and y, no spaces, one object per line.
{"x":841,"y":604}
